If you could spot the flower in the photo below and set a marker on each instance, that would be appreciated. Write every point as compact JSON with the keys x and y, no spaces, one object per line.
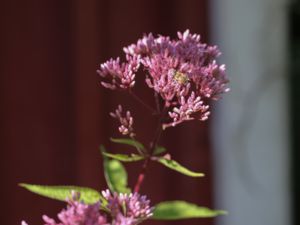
{"x":78,"y":213}
{"x":121,"y":76}
{"x":187,"y":108}
{"x":126,"y":121}
{"x":183,"y":72}
{"x":128,"y":209}
{"x":122,"y":209}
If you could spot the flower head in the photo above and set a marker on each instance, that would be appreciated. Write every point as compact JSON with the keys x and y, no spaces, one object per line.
{"x":187,"y":108}
{"x":183,"y":72}
{"x":119,"y":75}
{"x":122,"y":209}
{"x":78,"y":213}
{"x":126,"y":121}
{"x":128,"y":208}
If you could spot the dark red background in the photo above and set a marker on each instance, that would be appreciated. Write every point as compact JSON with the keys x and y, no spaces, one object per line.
{"x":54,"y":115}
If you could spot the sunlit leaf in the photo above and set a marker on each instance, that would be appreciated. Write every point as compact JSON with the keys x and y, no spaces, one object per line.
{"x":123,"y":157}
{"x":175,"y":210}
{"x":172,"y":164}
{"x":62,"y":193}
{"x":115,"y":174}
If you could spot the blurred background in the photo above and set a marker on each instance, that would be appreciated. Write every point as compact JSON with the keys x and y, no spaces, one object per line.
{"x":54,"y":115}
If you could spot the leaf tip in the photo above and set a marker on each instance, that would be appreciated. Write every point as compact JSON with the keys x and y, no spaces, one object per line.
{"x":24,"y":185}
{"x":201,"y":175}
{"x":222,"y":212}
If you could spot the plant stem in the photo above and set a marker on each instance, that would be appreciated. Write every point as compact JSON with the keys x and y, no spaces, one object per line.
{"x":138,"y":99}
{"x":153,"y":144}
{"x":156,"y":98}
{"x":141,"y":176}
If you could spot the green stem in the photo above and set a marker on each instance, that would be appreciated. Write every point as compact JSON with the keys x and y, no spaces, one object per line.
{"x":153,"y":144}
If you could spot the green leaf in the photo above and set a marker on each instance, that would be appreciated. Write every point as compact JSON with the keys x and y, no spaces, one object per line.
{"x":128,"y":141}
{"x":62,"y":193}
{"x":175,"y":210}
{"x":116,"y":176}
{"x":158,"y":150}
{"x":123,"y":157}
{"x":179,"y":168}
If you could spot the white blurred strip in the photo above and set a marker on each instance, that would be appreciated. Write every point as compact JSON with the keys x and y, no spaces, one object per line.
{"x":250,"y":124}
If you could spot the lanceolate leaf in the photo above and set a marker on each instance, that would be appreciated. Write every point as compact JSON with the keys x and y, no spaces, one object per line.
{"x":123,"y":157}
{"x":179,"y":168}
{"x":175,"y":210}
{"x":130,"y":142}
{"x":115,"y":174}
{"x":63,"y":193}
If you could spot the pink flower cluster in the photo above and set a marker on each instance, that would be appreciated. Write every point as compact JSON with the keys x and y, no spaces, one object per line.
{"x":126,"y":121}
{"x":120,"y":76}
{"x":122,"y":209}
{"x":78,"y":213}
{"x":134,"y":207}
{"x":184,"y":73}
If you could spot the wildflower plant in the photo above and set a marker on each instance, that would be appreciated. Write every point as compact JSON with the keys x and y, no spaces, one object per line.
{"x":184,"y":76}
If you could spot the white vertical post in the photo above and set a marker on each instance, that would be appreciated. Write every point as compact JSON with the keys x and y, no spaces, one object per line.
{"x":250,"y":124}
